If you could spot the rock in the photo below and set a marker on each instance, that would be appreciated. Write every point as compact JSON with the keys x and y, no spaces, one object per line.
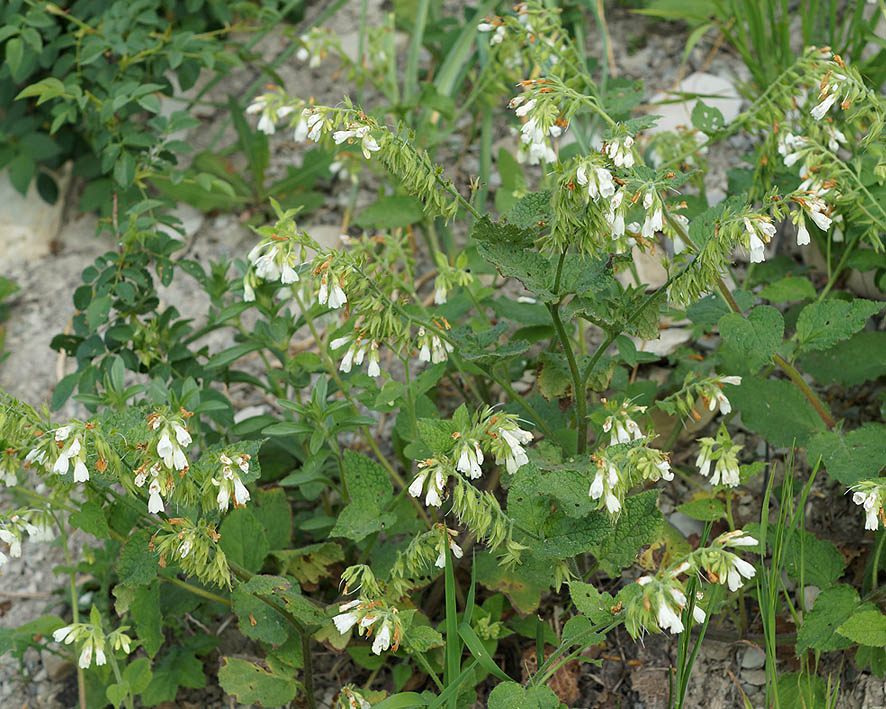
{"x":810,"y":593}
{"x":686,"y":525}
{"x":727,"y":100}
{"x":28,"y":225}
{"x":57,"y":668}
{"x":754,"y":677}
{"x":666,"y":342}
{"x":753,"y":658}
{"x":650,"y":271}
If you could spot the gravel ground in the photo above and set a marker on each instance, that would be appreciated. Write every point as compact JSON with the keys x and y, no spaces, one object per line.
{"x":630,"y":674}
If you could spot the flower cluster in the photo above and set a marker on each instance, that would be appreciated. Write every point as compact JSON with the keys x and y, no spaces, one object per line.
{"x":169,"y":437}
{"x":657,"y":602}
{"x":431,"y":347}
{"x":491,"y":431}
{"x":660,"y":604}
{"x":543,"y":122}
{"x":271,"y":260}
{"x":37,"y":524}
{"x":724,"y":454}
{"x":371,"y":617}
{"x":619,"y":424}
{"x":494,"y":25}
{"x":725,"y":567}
{"x":94,"y":642}
{"x":63,"y":449}
{"x":620,"y":468}
{"x":869,"y":495}
{"x":710,"y":389}
{"x":272,"y":109}
{"x":447,"y":542}
{"x":229,"y":484}
{"x":356,"y":352}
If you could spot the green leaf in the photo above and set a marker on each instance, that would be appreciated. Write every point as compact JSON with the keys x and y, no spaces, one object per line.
{"x":370,"y":490}
{"x":531,"y":268}
{"x":91,"y":519}
{"x":391,"y":212}
{"x":591,"y":602}
{"x":853,"y":456}
{"x":775,"y":409}
{"x":179,"y":667}
{"x":832,"y":608}
{"x":138,"y":565}
{"x":704,"y":507}
{"x":865,"y":627}
{"x":243,"y":539}
{"x":257,"y":619}
{"x":788,"y":290}
{"x":523,"y":585}
{"x":145,"y":611}
{"x":562,"y":536}
{"x":294,"y":602}
{"x":532,"y":211}
{"x":15,"y":52}
{"x":707,"y":119}
{"x":21,"y":170}
{"x":822,"y":563}
{"x":275,"y":515}
{"x":232,"y":354}
{"x":421,"y":638}
{"x":822,"y":325}
{"x":753,"y":340}
{"x":802,"y":690}
{"x":311,"y":563}
{"x":250,"y":684}
{"x":637,"y":525}
{"x":569,"y":487}
{"x":510,"y":695}
{"x":138,"y":674}
{"x":859,"y":359}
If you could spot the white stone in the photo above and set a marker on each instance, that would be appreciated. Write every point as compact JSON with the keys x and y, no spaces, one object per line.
{"x":28,"y":225}
{"x":753,"y":658}
{"x":666,"y":343}
{"x":686,"y":524}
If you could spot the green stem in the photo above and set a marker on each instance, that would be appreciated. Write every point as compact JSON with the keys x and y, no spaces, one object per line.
{"x":208,"y":595}
{"x":119,"y":676}
{"x":578,"y":383}
{"x":789,"y":369}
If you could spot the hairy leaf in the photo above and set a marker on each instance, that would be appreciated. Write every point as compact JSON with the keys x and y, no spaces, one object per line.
{"x":822,"y":325}
{"x":853,"y":456}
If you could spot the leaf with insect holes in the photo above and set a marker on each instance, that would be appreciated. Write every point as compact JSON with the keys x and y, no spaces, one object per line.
{"x":707,"y":119}
{"x":250,"y":684}
{"x":821,"y":325}
{"x":596,"y":605}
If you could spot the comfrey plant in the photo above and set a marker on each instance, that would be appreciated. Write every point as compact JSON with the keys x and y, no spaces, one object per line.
{"x":400,"y":441}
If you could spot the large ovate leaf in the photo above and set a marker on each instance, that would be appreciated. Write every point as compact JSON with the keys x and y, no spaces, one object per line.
{"x":138,"y":565}
{"x":370,"y":491}
{"x":523,"y":585}
{"x":832,"y":608}
{"x":595,"y":605}
{"x":859,"y":359}
{"x":850,"y":457}
{"x":866,"y":626}
{"x":775,"y":409}
{"x":243,"y":539}
{"x":637,"y":525}
{"x":251,"y":684}
{"x":752,"y":340}
{"x":821,"y":325}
